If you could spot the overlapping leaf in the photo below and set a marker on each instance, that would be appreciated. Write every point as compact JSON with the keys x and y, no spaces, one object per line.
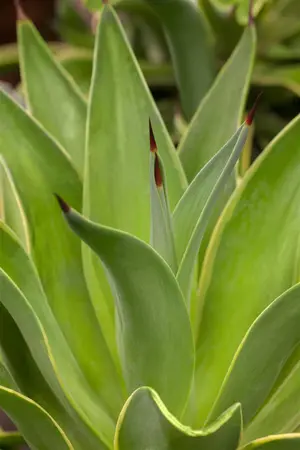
{"x":154,"y":334}
{"x":146,"y":423}
{"x":251,"y":259}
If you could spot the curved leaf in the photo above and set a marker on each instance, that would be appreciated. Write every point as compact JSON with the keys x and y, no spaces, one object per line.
{"x":190,"y":48}
{"x":145,"y":423}
{"x":220,"y":112}
{"x":277,"y":442}
{"x":154,"y":333}
{"x":52,"y":96}
{"x":38,"y":428}
{"x":254,"y":246}
{"x":281,"y":414}
{"x":23,"y":296}
{"x":40,"y":169}
{"x":189,"y":258}
{"x":255,"y":366}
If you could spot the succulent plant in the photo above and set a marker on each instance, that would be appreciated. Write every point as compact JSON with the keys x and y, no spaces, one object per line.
{"x":136,"y":311}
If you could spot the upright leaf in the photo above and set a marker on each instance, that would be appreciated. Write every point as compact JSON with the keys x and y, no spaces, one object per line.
{"x":251,"y":367}
{"x":52,"y":96}
{"x":163,"y":430}
{"x":154,"y":334}
{"x":39,"y":170}
{"x":189,"y":257}
{"x":253,"y":247}
{"x":220,"y":112}
{"x":190,"y":48}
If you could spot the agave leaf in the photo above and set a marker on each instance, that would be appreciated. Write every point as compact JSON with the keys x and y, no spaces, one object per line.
{"x":45,"y":434}
{"x":277,"y":442}
{"x":154,"y":334}
{"x":189,"y":44}
{"x":116,"y":190}
{"x":21,"y":373}
{"x":52,"y":96}
{"x":281,"y":414}
{"x":249,"y":251}
{"x":220,"y":112}
{"x":33,"y":316}
{"x":11,"y":209}
{"x":162,"y":239}
{"x":277,"y":328}
{"x":163,"y":430}
{"x":56,"y":251}
{"x":215,"y":175}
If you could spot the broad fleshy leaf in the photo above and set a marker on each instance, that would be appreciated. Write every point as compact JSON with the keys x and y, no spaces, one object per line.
{"x":220,"y":112}
{"x":154,"y":333}
{"x":52,"y":96}
{"x":255,"y":366}
{"x":189,"y":43}
{"x":221,"y":177}
{"x":254,"y":246}
{"x":38,"y":428}
{"x":145,"y":423}
{"x":56,"y":252}
{"x":281,"y":414}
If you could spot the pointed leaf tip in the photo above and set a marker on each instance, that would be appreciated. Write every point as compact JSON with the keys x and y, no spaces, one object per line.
{"x":63,"y":205}
{"x":251,"y":13}
{"x":153,"y":146}
{"x":157,"y":172}
{"x":251,"y":114}
{"x":19,"y":11}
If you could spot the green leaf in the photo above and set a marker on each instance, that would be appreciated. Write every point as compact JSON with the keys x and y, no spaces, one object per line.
{"x":162,"y":239}
{"x":214,"y":175}
{"x":190,"y":48}
{"x":281,"y":414}
{"x":26,"y":302}
{"x":38,"y":171}
{"x":277,"y":442}
{"x":38,"y":428}
{"x":154,"y":334}
{"x":163,"y":430}
{"x":251,"y":367}
{"x":11,"y":209}
{"x":220,"y":112}
{"x":53,"y":98}
{"x":254,"y":246}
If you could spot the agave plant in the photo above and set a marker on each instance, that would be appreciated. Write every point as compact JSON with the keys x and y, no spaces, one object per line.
{"x":126,"y":322}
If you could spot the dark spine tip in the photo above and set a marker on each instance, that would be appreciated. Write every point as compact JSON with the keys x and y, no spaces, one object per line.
{"x":63,"y":205}
{"x":153,"y":146}
{"x":251,"y":114}
{"x":251,"y":13}
{"x":21,"y":16}
{"x":157,"y":172}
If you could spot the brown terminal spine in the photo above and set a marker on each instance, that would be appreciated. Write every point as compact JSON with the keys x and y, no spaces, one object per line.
{"x":157,"y":172}
{"x":63,"y":205}
{"x":21,"y":16}
{"x":153,"y":146}
{"x":251,"y":114}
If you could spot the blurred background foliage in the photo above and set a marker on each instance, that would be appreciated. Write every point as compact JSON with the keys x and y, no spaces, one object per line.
{"x":181,"y":46}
